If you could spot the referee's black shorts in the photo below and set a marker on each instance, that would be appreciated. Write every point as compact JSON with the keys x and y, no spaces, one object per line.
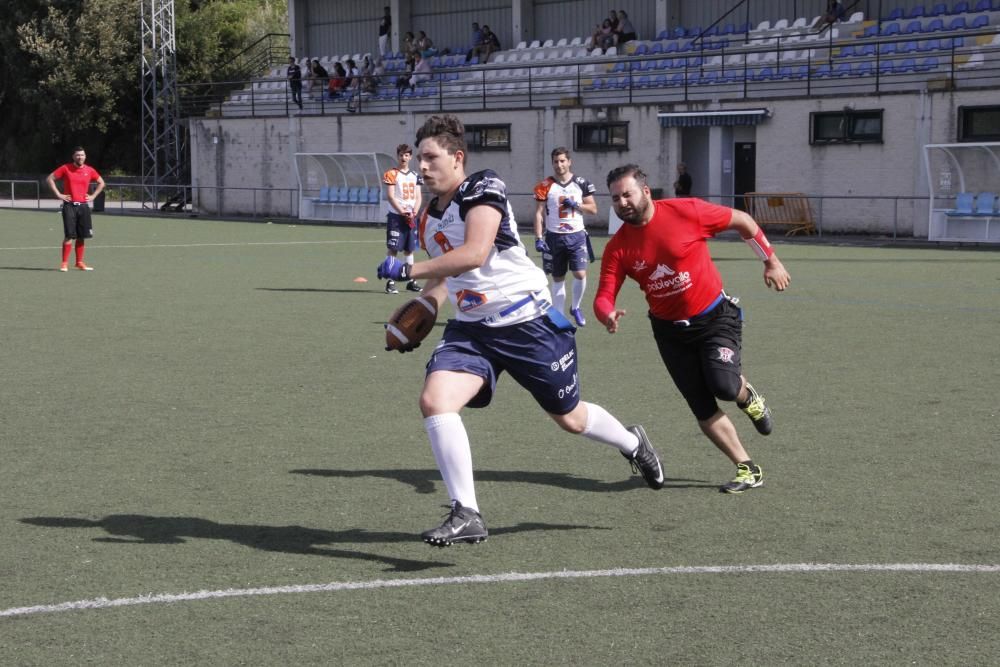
{"x":703,"y":357}
{"x":76,"y":221}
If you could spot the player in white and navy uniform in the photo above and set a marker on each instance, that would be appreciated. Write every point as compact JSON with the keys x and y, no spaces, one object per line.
{"x":502,"y":323}
{"x":402,"y":192}
{"x":561,"y":200}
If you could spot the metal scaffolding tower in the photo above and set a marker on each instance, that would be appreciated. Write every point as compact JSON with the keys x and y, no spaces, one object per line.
{"x":164,"y":136}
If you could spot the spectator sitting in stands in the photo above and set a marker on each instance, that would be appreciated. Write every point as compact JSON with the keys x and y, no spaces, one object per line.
{"x":613,"y":18}
{"x":626,"y":31}
{"x":488,"y":43}
{"x":425,"y":47}
{"x":834,"y":12}
{"x":371,"y":75}
{"x":319,"y":75}
{"x":421,"y":71}
{"x":409,"y":46}
{"x":336,"y":85}
{"x":604,"y":37}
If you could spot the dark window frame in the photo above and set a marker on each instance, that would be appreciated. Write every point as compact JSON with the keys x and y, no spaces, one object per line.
{"x":850,"y":132}
{"x":605,"y":143}
{"x":965,"y":123}
{"x":476,"y":137}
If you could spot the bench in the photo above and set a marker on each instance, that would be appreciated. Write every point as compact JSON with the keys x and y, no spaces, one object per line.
{"x":788,"y":210}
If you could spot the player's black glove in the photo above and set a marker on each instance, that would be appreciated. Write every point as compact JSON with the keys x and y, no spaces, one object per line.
{"x":393,"y":269}
{"x":541,"y":246}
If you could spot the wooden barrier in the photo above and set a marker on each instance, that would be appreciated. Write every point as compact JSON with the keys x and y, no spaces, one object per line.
{"x":789,"y":210}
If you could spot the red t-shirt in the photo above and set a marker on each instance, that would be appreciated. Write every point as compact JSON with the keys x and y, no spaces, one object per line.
{"x":669,"y":259}
{"x":76,"y":180}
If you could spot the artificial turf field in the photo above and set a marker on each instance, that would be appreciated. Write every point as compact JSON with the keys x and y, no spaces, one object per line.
{"x":208,"y":458}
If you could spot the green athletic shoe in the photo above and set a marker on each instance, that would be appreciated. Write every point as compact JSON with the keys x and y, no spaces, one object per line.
{"x":746,"y":478}
{"x":758,"y":412}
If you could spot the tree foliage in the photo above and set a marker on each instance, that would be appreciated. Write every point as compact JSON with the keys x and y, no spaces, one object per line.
{"x":70,"y":71}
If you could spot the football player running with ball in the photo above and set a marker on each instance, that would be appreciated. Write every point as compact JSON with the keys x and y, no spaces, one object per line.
{"x":502,"y":323}
{"x":561,"y":200}
{"x":697,"y":327}
{"x":402,"y":188}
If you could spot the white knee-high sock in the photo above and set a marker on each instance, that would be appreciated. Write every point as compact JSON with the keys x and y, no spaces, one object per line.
{"x":409,"y":259}
{"x":450,"y":444}
{"x":558,"y":295}
{"x":603,"y":427}
{"x":579,"y":287}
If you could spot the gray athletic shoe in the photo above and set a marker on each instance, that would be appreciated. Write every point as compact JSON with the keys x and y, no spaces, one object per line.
{"x":462,"y":524}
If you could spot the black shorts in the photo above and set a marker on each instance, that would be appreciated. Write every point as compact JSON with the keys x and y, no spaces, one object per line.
{"x":76,"y":221}
{"x":703,"y":357}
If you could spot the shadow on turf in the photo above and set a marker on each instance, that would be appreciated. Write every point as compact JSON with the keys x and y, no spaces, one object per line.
{"x":25,"y":268}
{"x":145,"y":529}
{"x":423,"y":481}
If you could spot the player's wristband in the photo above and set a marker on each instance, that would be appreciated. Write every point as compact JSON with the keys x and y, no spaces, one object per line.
{"x":760,"y":245}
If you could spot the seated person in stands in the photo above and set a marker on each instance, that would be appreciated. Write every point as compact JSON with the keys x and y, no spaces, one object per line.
{"x":319,"y":76}
{"x":409,"y":46}
{"x":626,"y":31}
{"x":834,"y":12}
{"x":337,"y":81}
{"x":371,"y":78}
{"x":604,"y":37}
{"x":488,"y":43}
{"x":613,"y":19}
{"x":421,"y":71}
{"x":425,"y":47}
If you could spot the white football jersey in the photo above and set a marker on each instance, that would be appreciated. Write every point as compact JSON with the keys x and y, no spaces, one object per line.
{"x":509,"y":288}
{"x":405,"y":184}
{"x":558,"y":217}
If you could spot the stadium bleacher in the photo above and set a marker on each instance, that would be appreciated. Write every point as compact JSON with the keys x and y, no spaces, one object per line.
{"x":770,"y":57}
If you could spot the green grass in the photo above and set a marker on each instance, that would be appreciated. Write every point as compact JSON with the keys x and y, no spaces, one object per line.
{"x":212,"y":409}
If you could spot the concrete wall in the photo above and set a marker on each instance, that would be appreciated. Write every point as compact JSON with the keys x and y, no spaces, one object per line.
{"x":857,"y":180}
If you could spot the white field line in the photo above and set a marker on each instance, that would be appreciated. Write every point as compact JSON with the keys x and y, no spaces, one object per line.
{"x":95,"y":245}
{"x":162,"y":598}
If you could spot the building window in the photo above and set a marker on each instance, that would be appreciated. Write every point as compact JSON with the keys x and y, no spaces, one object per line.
{"x":600,"y":136}
{"x":979,"y":123}
{"x":846,"y":127}
{"x":488,"y":137}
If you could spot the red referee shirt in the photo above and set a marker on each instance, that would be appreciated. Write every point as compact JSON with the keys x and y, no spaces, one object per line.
{"x":669,"y":259}
{"x":76,"y":180}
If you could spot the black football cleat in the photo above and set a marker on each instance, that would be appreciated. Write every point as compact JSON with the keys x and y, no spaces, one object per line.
{"x":645,"y":460}
{"x":462,"y":524}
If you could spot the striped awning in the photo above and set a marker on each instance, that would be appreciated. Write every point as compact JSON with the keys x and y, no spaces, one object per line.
{"x":710,"y":118}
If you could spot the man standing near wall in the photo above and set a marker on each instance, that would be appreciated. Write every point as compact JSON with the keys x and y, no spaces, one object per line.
{"x":402,"y":191}
{"x":76,"y":178}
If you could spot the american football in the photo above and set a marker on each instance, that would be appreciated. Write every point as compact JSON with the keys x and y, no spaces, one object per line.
{"x":410,"y":323}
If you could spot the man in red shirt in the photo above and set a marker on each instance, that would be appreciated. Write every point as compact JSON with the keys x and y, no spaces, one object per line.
{"x":697,"y":327}
{"x":76,"y":177}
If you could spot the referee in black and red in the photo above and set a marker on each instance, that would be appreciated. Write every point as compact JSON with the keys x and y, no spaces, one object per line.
{"x":76,"y":177}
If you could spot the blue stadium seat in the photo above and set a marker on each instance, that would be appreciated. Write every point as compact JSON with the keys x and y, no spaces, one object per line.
{"x":887,"y":48}
{"x":935,"y":25}
{"x":870,"y":31}
{"x":980,"y":21}
{"x":904,"y":66}
{"x":341,"y":194}
{"x":889,"y":29}
{"x":963,"y":204}
{"x":939,"y":9}
{"x":693,"y":32}
{"x":709,"y":77}
{"x":324,"y":194}
{"x":643,"y":81}
{"x":823,"y":70}
{"x":928,"y":45}
{"x":986,"y":204}
{"x":660,"y":81}
{"x":895,"y":14}
{"x":984,"y":6}
{"x":866,"y":50}
{"x":354,"y":195}
{"x":656,"y":49}
{"x":957,"y":23}
{"x":676,"y":80}
{"x":641,"y":50}
{"x":960,"y":7}
{"x":845,"y":52}
{"x":663,"y":36}
{"x":915,"y":26}
{"x":671,"y":47}
{"x":916,"y":12}
{"x":863,"y":68}
{"x":842,"y":69}
{"x":906,"y":47}
{"x":728,"y":29}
